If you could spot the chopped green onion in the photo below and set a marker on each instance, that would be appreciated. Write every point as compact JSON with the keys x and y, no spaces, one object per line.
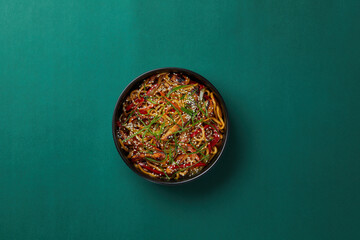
{"x":145,"y":128}
{"x":171,"y":159}
{"x":206,"y":111}
{"x":151,"y":101}
{"x":188,"y":111}
{"x":177,"y":88}
{"x":134,"y":134}
{"x":176,"y":110}
{"x":182,"y":148}
{"x":200,"y":108}
{"x":129,"y":116}
{"x":153,"y":160}
{"x":164,"y":172}
{"x":211,"y":126}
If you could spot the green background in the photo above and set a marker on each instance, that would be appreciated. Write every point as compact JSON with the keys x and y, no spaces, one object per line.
{"x":289,"y":72}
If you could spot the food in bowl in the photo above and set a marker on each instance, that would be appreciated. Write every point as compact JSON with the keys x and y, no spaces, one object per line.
{"x":171,"y":126}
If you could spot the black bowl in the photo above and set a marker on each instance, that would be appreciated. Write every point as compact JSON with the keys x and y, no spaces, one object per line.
{"x":133,"y":85}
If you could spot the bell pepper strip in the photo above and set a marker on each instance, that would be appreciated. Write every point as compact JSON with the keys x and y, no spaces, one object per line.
{"x":142,"y":111}
{"x":138,"y":104}
{"x":191,"y":82}
{"x":195,"y":132}
{"x":150,"y":169}
{"x":118,"y":123}
{"x":216,"y":138}
{"x":151,"y":90}
{"x":129,"y":107}
{"x":199,"y":164}
{"x":170,"y":110}
{"x":201,"y":86}
{"x":214,"y":142}
{"x":206,"y":97}
{"x":132,"y":105}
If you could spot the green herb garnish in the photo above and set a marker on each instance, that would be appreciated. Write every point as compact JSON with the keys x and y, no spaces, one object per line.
{"x":176,"y":88}
{"x":153,"y":160}
{"x":200,"y":108}
{"x":135,"y":134}
{"x":129,"y":116}
{"x":188,"y":111}
{"x":151,"y":101}
{"x":162,"y":169}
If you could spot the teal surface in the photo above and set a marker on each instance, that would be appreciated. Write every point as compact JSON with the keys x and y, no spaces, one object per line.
{"x":288,"y":71}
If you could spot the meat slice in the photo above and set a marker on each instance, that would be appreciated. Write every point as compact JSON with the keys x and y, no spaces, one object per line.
{"x":179,"y":78}
{"x":173,"y":129}
{"x":183,"y":157}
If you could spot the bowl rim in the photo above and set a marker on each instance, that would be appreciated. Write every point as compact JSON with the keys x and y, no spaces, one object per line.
{"x":137,"y":81}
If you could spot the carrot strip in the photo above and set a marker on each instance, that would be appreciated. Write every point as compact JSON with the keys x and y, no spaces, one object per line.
{"x":174,"y":104}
